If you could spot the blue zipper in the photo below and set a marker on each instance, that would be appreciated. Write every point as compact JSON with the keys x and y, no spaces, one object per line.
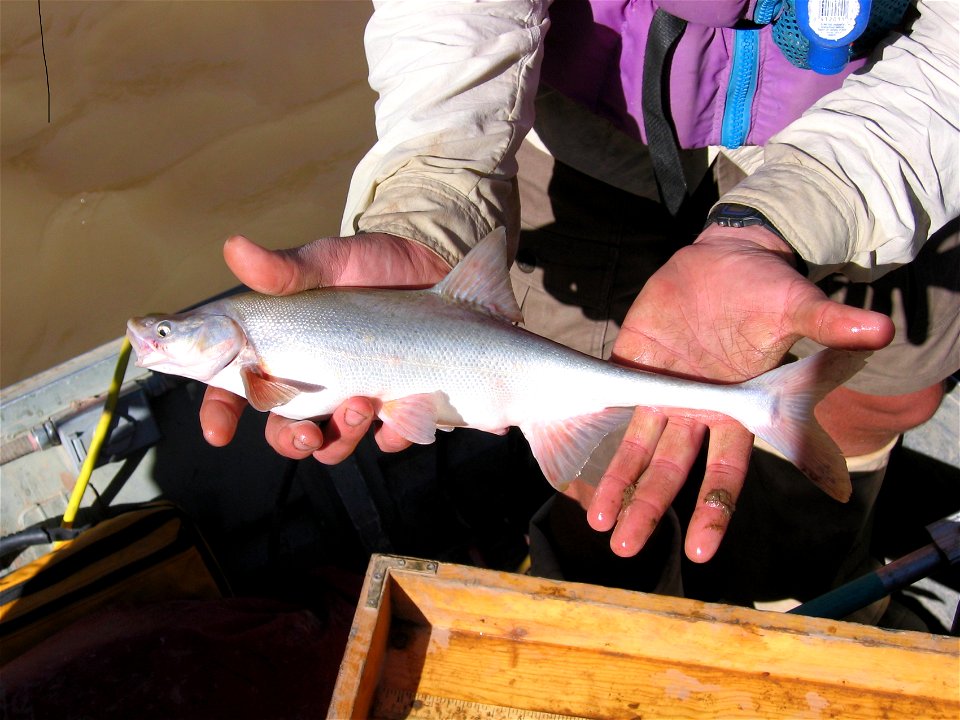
{"x":766,"y":11}
{"x":741,"y":88}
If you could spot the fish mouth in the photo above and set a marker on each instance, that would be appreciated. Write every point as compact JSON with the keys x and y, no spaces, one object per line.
{"x":147,"y":351}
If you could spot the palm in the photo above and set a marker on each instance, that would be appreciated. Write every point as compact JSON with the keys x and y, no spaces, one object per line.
{"x":728,"y":325}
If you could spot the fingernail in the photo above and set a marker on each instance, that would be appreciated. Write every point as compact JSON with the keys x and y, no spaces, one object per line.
{"x":300,"y":442}
{"x":353,"y":418}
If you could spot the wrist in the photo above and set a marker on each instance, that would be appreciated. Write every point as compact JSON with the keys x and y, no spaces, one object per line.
{"x":752,"y":237}
{"x":734,"y":221}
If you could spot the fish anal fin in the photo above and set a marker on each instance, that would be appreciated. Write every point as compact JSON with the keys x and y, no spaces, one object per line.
{"x":414,"y":416}
{"x":564,"y":448}
{"x":482,"y":279}
{"x":265,"y":392}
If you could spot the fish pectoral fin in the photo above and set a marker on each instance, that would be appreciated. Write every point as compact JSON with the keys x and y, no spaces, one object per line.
{"x":564,"y":448}
{"x":413,"y":417}
{"x":265,"y":392}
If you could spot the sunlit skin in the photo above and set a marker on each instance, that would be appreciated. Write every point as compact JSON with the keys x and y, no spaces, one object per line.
{"x":726,"y":308}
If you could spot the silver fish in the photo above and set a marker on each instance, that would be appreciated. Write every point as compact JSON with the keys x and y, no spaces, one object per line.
{"x":451,"y":356}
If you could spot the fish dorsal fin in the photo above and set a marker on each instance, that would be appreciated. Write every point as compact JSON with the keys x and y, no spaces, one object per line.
{"x":482,"y":280}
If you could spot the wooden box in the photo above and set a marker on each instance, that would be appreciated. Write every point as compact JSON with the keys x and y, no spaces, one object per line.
{"x":433,"y":640}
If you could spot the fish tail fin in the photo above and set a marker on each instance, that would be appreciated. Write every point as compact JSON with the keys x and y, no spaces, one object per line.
{"x":792,"y":428}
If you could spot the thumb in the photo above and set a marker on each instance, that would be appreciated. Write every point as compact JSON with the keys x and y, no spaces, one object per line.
{"x":275,"y":272}
{"x":843,"y":327}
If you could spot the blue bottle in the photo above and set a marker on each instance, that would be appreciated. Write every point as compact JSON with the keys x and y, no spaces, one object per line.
{"x":831,"y":26}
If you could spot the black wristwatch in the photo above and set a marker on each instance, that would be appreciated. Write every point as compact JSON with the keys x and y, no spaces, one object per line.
{"x":739,"y":216}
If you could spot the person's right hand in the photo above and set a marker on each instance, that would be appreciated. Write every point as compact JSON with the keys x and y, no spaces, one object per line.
{"x":369,"y":260}
{"x":724,"y":309}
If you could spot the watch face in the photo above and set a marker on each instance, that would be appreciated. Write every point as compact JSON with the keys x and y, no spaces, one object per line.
{"x":730,"y":216}
{"x":738,"y":212}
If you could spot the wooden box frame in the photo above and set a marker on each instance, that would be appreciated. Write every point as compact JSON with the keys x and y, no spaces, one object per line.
{"x":433,"y":640}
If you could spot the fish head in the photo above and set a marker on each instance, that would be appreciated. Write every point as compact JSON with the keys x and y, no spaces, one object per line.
{"x":193,"y":345}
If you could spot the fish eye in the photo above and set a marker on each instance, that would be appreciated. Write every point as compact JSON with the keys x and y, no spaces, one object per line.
{"x":163,"y":329}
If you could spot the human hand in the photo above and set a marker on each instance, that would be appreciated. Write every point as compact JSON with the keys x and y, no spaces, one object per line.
{"x":726,"y":308}
{"x":371,"y":259}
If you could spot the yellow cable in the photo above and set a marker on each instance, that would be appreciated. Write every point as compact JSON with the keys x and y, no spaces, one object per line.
{"x":99,"y":437}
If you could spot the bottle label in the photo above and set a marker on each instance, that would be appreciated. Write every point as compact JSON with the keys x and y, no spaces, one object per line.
{"x":833,"y":19}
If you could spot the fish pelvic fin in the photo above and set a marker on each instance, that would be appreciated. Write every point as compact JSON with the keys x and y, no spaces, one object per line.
{"x":564,"y":448}
{"x":793,"y":430}
{"x":413,"y":417}
{"x":265,"y":392}
{"x":482,"y":279}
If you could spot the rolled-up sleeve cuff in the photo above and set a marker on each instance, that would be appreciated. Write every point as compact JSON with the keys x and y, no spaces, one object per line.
{"x":434,"y":214}
{"x":810,"y":214}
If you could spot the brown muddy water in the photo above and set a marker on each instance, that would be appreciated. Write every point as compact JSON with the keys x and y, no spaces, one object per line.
{"x":173,"y":124}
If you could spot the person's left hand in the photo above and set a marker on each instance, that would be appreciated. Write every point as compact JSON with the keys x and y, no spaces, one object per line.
{"x":727,"y":308}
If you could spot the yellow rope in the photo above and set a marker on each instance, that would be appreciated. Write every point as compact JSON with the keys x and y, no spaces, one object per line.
{"x":99,"y":437}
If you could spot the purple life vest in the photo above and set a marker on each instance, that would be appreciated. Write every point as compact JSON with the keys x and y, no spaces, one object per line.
{"x":729,"y":82}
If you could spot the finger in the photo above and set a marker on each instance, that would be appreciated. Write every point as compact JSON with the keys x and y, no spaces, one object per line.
{"x":219,"y":415}
{"x":345,"y":429}
{"x":581,"y":492}
{"x":389,"y":440}
{"x":728,"y":454}
{"x":282,"y":272}
{"x":835,"y":325}
{"x":658,"y":486}
{"x":294,"y":439}
{"x":632,"y":458}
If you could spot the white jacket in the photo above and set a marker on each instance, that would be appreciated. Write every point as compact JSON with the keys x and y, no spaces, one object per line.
{"x":857,"y":184}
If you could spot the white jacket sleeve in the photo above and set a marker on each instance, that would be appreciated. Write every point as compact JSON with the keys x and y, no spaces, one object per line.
{"x":860,"y":182}
{"x":456,"y":84}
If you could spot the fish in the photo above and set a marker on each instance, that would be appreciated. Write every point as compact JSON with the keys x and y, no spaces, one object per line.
{"x":454,"y":355}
